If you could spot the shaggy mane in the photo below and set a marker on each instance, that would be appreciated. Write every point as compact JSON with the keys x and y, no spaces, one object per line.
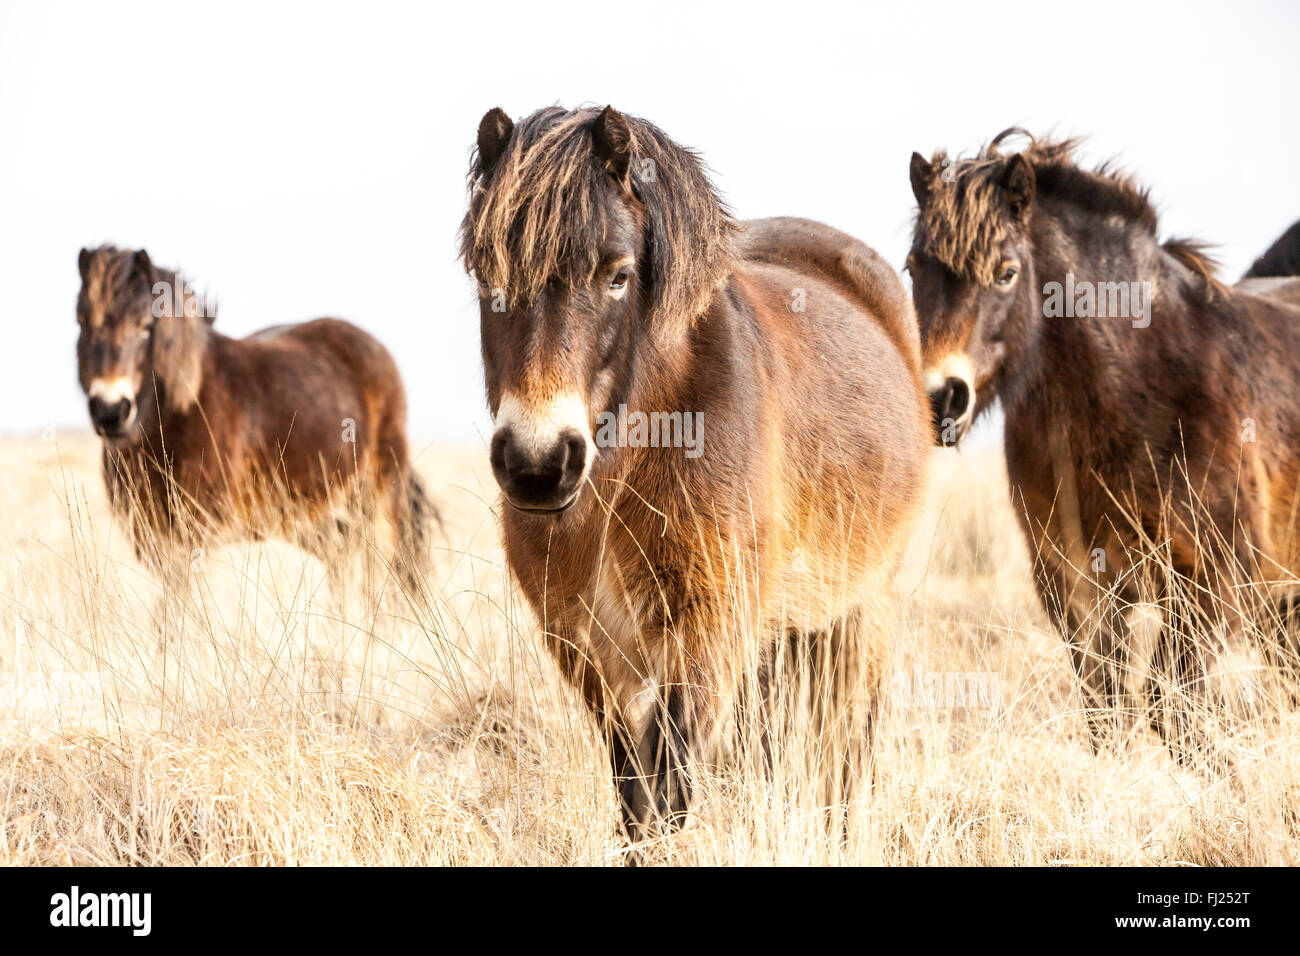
{"x":965,"y":218}
{"x":535,"y":217}
{"x":177,"y":341}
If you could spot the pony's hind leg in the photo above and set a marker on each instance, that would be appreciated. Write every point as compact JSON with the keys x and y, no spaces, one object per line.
{"x":819,"y":708}
{"x":1176,"y":688}
{"x":413,"y":515}
{"x":842,"y":673}
{"x":1283,"y":653}
{"x":1099,"y":651}
{"x":762,"y":713}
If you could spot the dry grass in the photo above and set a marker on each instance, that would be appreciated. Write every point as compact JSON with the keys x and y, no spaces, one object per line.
{"x":284,"y":726}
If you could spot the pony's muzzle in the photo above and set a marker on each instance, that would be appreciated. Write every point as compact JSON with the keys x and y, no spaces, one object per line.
{"x":952,"y":406}
{"x":545,"y":479}
{"x":112,"y":417}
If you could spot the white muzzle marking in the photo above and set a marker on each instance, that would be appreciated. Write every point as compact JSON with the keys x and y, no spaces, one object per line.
{"x":110,"y":390}
{"x":954,"y":365}
{"x":537,"y":426}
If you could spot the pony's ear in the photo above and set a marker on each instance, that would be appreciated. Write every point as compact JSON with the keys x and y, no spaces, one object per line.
{"x":612,"y":139}
{"x":494,"y":131}
{"x":1018,"y":184}
{"x":83,"y":262}
{"x":920,"y":171}
{"x":143,"y":266}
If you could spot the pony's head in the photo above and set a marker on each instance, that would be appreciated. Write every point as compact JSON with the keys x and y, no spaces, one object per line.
{"x":972,"y":272}
{"x":141,"y":341}
{"x":596,"y":242}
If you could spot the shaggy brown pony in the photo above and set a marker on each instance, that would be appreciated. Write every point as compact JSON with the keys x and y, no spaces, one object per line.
{"x":1152,"y":432}
{"x":291,"y":432}
{"x":707,"y":435}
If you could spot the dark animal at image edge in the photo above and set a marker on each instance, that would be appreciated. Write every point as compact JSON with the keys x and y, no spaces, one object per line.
{"x":296,"y":431}
{"x":611,"y":274}
{"x":1176,"y":434}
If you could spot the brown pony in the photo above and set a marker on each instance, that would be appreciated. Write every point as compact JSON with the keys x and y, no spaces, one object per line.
{"x":1150,"y":412}
{"x":706,"y":435}
{"x":291,"y":432}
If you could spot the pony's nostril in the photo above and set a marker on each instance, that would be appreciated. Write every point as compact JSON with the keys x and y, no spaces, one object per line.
{"x":950,"y":406}
{"x":958,"y":397}
{"x":110,"y":415}
{"x":533,"y":479}
{"x":500,"y":453}
{"x":575,"y":454}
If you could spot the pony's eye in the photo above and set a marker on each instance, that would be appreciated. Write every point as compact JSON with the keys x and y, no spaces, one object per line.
{"x":1008,"y":275}
{"x":619,"y":281}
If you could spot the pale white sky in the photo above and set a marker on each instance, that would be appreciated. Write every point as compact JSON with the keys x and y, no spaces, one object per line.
{"x":304,"y":161}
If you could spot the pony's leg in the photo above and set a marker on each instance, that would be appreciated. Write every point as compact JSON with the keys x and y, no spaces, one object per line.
{"x":1097,"y":635}
{"x":412,"y":514}
{"x":761,"y":713}
{"x":858,"y":644}
{"x":652,"y":764}
{"x":1099,"y":652}
{"x":819,"y":703}
{"x":1176,"y":690}
{"x":173,"y":566}
{"x":1283,"y":653}
{"x":843,"y":670}
{"x":670,"y":724}
{"x":328,"y":542}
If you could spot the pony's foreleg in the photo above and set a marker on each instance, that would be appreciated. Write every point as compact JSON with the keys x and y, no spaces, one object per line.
{"x":1099,"y":651}
{"x":661,"y":736}
{"x":173,"y":565}
{"x":1096,"y":632}
{"x":652,"y":764}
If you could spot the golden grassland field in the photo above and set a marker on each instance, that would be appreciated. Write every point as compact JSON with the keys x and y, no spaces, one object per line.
{"x":284,"y":724}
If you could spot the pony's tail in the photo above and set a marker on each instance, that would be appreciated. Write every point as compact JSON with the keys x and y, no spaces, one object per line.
{"x":1282,"y":258}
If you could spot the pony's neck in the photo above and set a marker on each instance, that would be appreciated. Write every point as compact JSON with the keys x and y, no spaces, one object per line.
{"x":1104,"y":290}
{"x":1102,"y":251}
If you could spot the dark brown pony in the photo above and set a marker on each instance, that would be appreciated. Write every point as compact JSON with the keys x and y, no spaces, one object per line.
{"x":664,"y":565}
{"x":295,"y":432}
{"x":1281,"y":259}
{"x":1151,"y":412}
